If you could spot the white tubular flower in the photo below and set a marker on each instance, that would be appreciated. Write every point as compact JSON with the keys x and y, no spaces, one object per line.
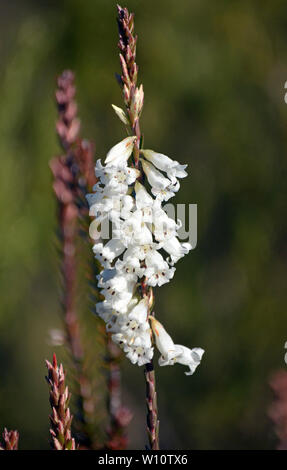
{"x":108,"y":252}
{"x":172,"y":168}
{"x":155,"y":177}
{"x":162,"y":194}
{"x":121,"y":152}
{"x":133,"y":230}
{"x":130,"y":265}
{"x":140,"y":251}
{"x":118,"y":180}
{"x":132,"y":334}
{"x":164,"y":227}
{"x":174,"y":353}
{"x":176,"y":249}
{"x":163,"y":340}
{"x":127,"y":205}
{"x":188,"y":357}
{"x":157,"y":270}
{"x":138,"y":354}
{"x":143,"y":198}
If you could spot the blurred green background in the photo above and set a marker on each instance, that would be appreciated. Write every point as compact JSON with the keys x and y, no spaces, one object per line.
{"x":213,"y":74}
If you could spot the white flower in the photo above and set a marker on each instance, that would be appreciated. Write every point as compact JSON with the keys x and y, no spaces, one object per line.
{"x":174,"y":353}
{"x":187,"y":357}
{"x":112,"y":249}
{"x":164,"y":227}
{"x":120,"y":152}
{"x":139,"y":251}
{"x":130,"y":265}
{"x":176,"y":249}
{"x":157,"y":271}
{"x":138,"y":354}
{"x":162,"y":194}
{"x":162,"y":162}
{"x":163,"y":340}
{"x":133,"y":230}
{"x":132,"y":333}
{"x":155,"y":177}
{"x":117,"y":179}
{"x":143,"y":198}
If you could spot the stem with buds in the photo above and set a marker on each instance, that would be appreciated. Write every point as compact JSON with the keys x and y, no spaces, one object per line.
{"x":10,"y":440}
{"x":70,"y":172}
{"x":133,"y":99}
{"x":60,"y":418}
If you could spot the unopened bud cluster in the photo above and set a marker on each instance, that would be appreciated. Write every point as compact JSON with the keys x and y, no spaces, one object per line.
{"x":61,"y":418}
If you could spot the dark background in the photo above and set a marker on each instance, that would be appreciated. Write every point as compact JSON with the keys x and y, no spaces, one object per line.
{"x":213,"y":74}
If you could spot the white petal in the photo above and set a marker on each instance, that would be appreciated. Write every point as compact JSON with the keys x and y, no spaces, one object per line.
{"x":163,"y":341}
{"x":112,"y":249}
{"x":121,"y":114}
{"x":143,"y":199}
{"x":161,"y":161}
{"x":121,"y":151}
{"x":140,"y":311}
{"x":155,"y":177}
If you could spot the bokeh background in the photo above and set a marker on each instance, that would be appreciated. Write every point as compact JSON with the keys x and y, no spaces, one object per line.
{"x":213,"y":74}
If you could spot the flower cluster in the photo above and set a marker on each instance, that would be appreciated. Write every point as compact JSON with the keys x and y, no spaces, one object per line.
{"x":142,"y":250}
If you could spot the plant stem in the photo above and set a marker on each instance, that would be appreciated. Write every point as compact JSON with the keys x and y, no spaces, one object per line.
{"x":133,"y":98}
{"x":152,"y":412}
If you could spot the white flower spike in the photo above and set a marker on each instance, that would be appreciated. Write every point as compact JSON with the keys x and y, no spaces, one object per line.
{"x":143,"y":249}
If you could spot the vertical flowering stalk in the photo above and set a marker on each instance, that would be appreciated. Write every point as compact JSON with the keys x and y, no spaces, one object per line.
{"x":61,"y":419}
{"x":10,"y":440}
{"x":134,"y":99}
{"x":71,"y":171}
{"x":65,"y":186}
{"x":143,"y":247}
